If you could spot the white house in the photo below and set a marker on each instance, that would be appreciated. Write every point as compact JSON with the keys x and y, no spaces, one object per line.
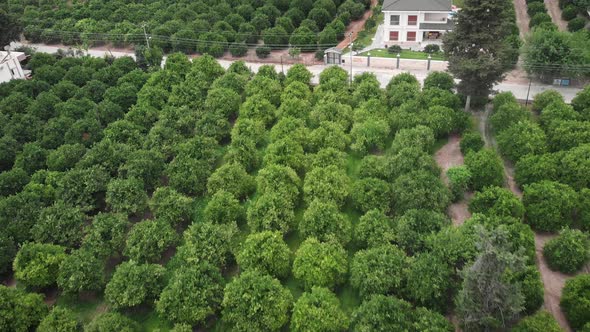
{"x":415,"y":21}
{"x":10,"y":67}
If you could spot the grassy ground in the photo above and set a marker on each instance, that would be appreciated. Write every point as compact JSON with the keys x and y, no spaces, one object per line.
{"x":459,"y":3}
{"x":405,"y":54}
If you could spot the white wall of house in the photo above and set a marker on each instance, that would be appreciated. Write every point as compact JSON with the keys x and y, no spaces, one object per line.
{"x":10,"y":67}
{"x":405,"y":25}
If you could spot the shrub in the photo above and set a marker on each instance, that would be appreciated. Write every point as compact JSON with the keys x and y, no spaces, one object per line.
{"x":432,"y":48}
{"x":371,"y":193}
{"x":440,"y":80}
{"x":536,"y":7}
{"x":238,"y":49}
{"x":394,"y":49}
{"x":266,"y":252}
{"x":546,"y":98}
{"x":321,"y":264}
{"x":496,"y":201}
{"x":111,"y":322}
{"x":568,"y":252}
{"x":539,"y":18}
{"x":223,"y":208}
{"x":126,"y":196}
{"x":271,"y":212}
{"x":486,"y":169}
{"x":232,"y":178}
{"x":542,"y":321}
{"x":37,"y":264}
{"x":503,"y":98}
{"x":575,"y":300}
{"x":459,"y":181}
{"x":148,"y":240}
{"x":549,"y":205}
{"x":133,"y":284}
{"x":576,"y":24}
{"x":569,"y":13}
{"x":379,"y":270}
{"x":318,"y":310}
{"x":374,"y":229}
{"x":263,"y":52}
{"x":60,"y":320}
{"x":324,"y":221}
{"x":471,"y":141}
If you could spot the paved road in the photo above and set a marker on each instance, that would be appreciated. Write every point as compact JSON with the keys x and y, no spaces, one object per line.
{"x":381,"y":67}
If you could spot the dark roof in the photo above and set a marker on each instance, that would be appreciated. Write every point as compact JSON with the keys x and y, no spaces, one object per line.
{"x":450,"y":25}
{"x":417,"y":5}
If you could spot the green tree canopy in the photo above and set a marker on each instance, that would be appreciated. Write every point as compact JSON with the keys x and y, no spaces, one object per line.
{"x":81,"y":271}
{"x":378,"y":270}
{"x":318,"y":310}
{"x":266,"y":252}
{"x":321,"y":264}
{"x":37,"y":264}
{"x":133,"y":284}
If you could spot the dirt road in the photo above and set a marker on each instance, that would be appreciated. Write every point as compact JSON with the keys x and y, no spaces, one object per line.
{"x":446,"y":157}
{"x":555,"y":13}
{"x":356,"y":26}
{"x":553,"y":281}
{"x":522,"y":17}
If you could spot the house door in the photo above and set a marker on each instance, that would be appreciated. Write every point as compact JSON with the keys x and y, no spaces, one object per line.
{"x":394,"y":35}
{"x":411,"y":36}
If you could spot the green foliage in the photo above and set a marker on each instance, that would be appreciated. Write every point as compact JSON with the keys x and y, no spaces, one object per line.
{"x":542,"y":321}
{"x":545,"y":98}
{"x":81,"y":271}
{"x":169,"y":205}
{"x":63,"y":217}
{"x":324,"y":221}
{"x":318,"y":310}
{"x":326,"y":184}
{"x":382,"y":313}
{"x":207,"y":242}
{"x":322,"y":264}
{"x":145,"y":165}
{"x":574,"y":300}
{"x":419,"y":189}
{"x":584,"y":208}
{"x":223,"y":208}
{"x":369,"y":135}
{"x":521,"y":139}
{"x":256,"y":302}
{"x":20,"y":311}
{"x":508,"y":115}
{"x":111,"y":322}
{"x":455,"y":245}
{"x":148,"y":239}
{"x":231,"y":178}
{"x":459,"y":181}
{"x":575,"y":164}
{"x":486,"y":169}
{"x":65,"y":157}
{"x":12,"y":181}
{"x":298,"y":73}
{"x":7,"y":252}
{"x":106,"y":235}
{"x":534,"y":168}
{"x":420,"y":137}
{"x":37,"y":264}
{"x":378,"y":270}
{"x":266,"y":252}
{"x":549,"y":205}
{"x":285,"y":152}
{"x":328,"y":135}
{"x":568,"y":252}
{"x":532,"y":288}
{"x":281,"y":180}
{"x":80,"y":187}
{"x":133,"y":284}
{"x":187,"y":175}
{"x":439,"y":80}
{"x":272,"y":212}
{"x":487,"y":299}
{"x":126,"y":196}
{"x":60,"y":319}
{"x":413,"y":227}
{"x":192,"y":295}
{"x":374,"y":229}
{"x":496,"y":201}
{"x":428,"y":281}
{"x":371,"y":193}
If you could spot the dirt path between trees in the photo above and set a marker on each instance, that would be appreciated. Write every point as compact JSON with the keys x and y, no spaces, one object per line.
{"x":553,"y":281}
{"x":446,"y":157}
{"x":522,"y":17}
{"x":356,"y":26}
{"x":555,"y":13}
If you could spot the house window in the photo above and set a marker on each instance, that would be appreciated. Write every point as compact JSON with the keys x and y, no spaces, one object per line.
{"x":394,"y":35}
{"x":411,"y":35}
{"x":412,"y":19}
{"x":394,"y":20}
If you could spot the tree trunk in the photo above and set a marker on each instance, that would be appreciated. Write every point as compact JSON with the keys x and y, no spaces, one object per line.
{"x":468,"y":103}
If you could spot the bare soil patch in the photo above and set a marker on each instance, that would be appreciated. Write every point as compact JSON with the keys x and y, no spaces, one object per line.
{"x":555,"y":13}
{"x":553,"y":281}
{"x":522,"y":17}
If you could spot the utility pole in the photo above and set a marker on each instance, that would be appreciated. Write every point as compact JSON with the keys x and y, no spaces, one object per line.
{"x":147,"y":40}
{"x":528,"y":91}
{"x":350,"y":36}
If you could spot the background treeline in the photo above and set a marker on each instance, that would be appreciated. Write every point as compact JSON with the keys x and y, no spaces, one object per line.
{"x":205,"y":26}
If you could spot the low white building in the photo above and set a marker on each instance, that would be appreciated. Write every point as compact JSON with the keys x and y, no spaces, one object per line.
{"x":412,"y":22}
{"x":10,"y":67}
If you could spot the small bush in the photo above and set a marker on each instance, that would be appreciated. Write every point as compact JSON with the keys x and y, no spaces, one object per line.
{"x":568,"y":252}
{"x":471,"y":141}
{"x":319,"y":55}
{"x":569,"y":13}
{"x":539,"y":322}
{"x":394,"y":49}
{"x":575,"y":301}
{"x":576,"y":24}
{"x":459,"y":181}
{"x":238,"y":49}
{"x":535,"y":8}
{"x":263,"y":52}
{"x":430,"y":49}
{"x":539,"y":18}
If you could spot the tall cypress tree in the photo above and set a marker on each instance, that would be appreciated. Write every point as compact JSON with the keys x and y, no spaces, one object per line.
{"x":476,"y":48}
